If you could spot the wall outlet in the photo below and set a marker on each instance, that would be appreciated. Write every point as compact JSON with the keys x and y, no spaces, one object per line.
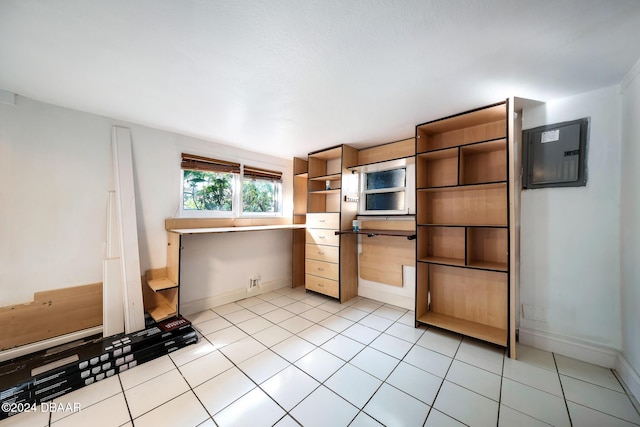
{"x":254,"y":280}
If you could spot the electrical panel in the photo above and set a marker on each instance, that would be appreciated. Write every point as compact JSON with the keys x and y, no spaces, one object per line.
{"x":555,"y":155}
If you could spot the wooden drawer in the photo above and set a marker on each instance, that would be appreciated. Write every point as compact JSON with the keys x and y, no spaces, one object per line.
{"x":322,"y":285}
{"x":321,"y":236}
{"x":323,"y":220}
{"x":322,"y":269}
{"x":323,"y":253}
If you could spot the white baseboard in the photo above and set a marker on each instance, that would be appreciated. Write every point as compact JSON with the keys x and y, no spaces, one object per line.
{"x":571,"y":347}
{"x":48,"y":343}
{"x":202,"y":304}
{"x":387,"y":297}
{"x":628,"y":375}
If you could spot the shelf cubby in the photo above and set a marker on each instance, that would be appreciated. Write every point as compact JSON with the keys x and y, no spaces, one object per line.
{"x":474,"y":205}
{"x":437,"y":169}
{"x":487,"y":248}
{"x":441,"y":245}
{"x":480,"y":125}
{"x":470,"y":302}
{"x":483,"y":162}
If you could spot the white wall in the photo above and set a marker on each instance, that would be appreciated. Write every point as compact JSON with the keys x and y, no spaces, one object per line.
{"x":630,"y":227}
{"x":55,"y":172}
{"x":570,"y":251}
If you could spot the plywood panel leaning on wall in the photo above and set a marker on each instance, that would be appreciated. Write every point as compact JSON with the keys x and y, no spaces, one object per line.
{"x":51,"y":314}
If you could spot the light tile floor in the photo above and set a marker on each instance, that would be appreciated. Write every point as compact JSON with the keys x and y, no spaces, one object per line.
{"x":290,"y":358}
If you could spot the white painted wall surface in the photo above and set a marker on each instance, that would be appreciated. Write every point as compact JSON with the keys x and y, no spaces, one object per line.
{"x":630,"y":224}
{"x":570,"y":241}
{"x":55,"y":172}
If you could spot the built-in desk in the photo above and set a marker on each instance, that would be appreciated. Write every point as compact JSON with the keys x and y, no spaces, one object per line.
{"x":234,"y":229}
{"x":162,"y":286}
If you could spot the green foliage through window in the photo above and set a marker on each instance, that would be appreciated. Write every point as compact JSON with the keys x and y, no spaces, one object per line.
{"x":259,"y":195}
{"x":211,"y":191}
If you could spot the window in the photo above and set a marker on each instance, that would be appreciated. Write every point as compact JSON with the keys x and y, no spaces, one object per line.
{"x":385,"y":188}
{"x":209,"y":188}
{"x":261,"y":191}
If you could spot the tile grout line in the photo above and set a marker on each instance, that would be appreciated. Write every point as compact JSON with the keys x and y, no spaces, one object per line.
{"x":500,"y":392}
{"x":564,"y":397}
{"x":431,"y":408}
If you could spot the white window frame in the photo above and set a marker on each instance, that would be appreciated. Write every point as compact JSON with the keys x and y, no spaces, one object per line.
{"x":409,"y":188}
{"x":277,"y":195}
{"x":237,"y":210}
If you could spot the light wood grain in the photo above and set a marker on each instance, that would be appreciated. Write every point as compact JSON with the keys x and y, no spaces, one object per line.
{"x":474,"y":205}
{"x":437,"y":169}
{"x":441,"y":243}
{"x":328,"y":270}
{"x":485,"y":162}
{"x":473,"y":295}
{"x":51,"y":313}
{"x":319,"y":236}
{"x":322,"y":285}
{"x":187,"y":223}
{"x":323,"y":253}
{"x":382,"y":258}
{"x":487,"y":247}
{"x":385,"y":152}
{"x":299,"y":255}
{"x":329,"y":221}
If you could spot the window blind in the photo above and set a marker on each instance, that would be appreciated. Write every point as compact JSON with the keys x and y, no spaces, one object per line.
{"x":206,"y":164}
{"x":258,"y":173}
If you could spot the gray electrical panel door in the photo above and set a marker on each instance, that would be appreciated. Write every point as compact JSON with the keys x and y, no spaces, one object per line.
{"x":555,"y":155}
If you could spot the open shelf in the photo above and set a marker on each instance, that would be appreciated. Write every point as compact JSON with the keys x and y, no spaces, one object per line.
{"x":487,"y":248}
{"x":333,"y":177}
{"x":437,"y":169}
{"x":463,"y":296}
{"x":442,"y":245}
{"x":161,"y":284}
{"x":465,"y":327}
{"x":330,"y":191}
{"x":484,"y":162}
{"x":162,"y":310}
{"x":480,"y":125}
{"x":484,"y":204}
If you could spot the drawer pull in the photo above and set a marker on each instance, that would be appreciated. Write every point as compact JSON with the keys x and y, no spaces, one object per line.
{"x":320,"y":269}
{"x":321,"y":237}
{"x":321,"y":220}
{"x":320,"y":285}
{"x":320,"y":253}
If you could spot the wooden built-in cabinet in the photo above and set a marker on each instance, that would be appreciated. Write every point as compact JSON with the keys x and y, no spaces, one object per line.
{"x":330,"y":259}
{"x":161,"y":286}
{"x":300,"y":168}
{"x":463,"y":224}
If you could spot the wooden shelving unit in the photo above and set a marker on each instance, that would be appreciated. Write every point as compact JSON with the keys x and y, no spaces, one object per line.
{"x":161,"y":290}
{"x":330,"y":266}
{"x":463,"y":224}
{"x":300,"y":177}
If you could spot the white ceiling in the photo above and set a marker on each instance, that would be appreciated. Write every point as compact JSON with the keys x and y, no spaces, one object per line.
{"x":287,"y":77}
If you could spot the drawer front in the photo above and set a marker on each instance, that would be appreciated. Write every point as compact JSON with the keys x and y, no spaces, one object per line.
{"x":320,"y":236}
{"x":322,"y":285}
{"x":323,"y":220}
{"x":322,"y":253}
{"x":322,"y":269}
